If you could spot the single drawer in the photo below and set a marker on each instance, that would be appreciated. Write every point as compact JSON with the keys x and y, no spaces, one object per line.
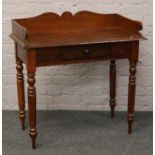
{"x":70,"y":54}
{"x":84,"y":52}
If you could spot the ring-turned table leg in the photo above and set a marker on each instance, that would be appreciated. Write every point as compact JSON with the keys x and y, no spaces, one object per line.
{"x":31,"y":68}
{"x":112,"y":83}
{"x":20,"y":89}
{"x":32,"y":106}
{"x":131,"y":95}
{"x":132,"y":85}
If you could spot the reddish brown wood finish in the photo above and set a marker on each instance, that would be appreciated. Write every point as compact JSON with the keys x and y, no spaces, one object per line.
{"x":77,"y":54}
{"x":132,"y":84}
{"x":50,"y":39}
{"x":31,"y":68}
{"x":20,"y":88}
{"x":112,"y":86}
{"x":82,"y":28}
{"x":32,"y":106}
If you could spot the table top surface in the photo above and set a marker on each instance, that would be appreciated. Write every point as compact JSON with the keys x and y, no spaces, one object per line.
{"x":50,"y":29}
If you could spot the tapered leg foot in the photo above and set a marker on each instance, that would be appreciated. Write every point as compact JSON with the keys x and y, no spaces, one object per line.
{"x":130,"y":121}
{"x":22,"y":116}
{"x":33,"y":135}
{"x":112,"y":86}
{"x":23,"y":126}
{"x":112,"y":106}
{"x":129,"y":127}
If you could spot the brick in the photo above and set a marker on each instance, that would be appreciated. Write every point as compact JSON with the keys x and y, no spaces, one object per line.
{"x":66,"y":100}
{"x":67,"y":70}
{"x":69,"y":90}
{"x":94,"y":100}
{"x":93,"y":80}
{"x":66,"y":80}
{"x":82,"y":69}
{"x":90,"y":90}
{"x":44,"y":100}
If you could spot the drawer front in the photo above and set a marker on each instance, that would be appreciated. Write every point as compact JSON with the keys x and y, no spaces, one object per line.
{"x":121,"y":50}
{"x":71,"y":54}
{"x":84,"y":52}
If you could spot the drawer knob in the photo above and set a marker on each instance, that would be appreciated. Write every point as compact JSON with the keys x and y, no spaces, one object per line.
{"x":87,"y":51}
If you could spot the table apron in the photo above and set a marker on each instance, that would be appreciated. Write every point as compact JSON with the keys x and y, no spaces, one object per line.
{"x":78,"y":54}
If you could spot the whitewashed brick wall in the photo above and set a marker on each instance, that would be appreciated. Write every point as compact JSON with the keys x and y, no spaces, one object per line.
{"x":80,"y":86}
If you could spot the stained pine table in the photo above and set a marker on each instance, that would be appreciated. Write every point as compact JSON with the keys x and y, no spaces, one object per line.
{"x":51,"y":39}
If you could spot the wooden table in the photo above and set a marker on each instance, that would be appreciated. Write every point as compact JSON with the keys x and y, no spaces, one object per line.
{"x":50,"y":39}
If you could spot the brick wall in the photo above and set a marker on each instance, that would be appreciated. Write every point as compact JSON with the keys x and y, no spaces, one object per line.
{"x":80,"y":86}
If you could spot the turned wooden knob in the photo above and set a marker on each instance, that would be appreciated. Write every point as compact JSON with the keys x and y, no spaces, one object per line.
{"x":87,"y":51}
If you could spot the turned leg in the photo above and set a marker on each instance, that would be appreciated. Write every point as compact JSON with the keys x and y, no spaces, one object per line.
{"x":32,"y":107}
{"x":132,"y":84}
{"x":112,"y":82}
{"x":131,"y":95}
{"x":21,"y":94}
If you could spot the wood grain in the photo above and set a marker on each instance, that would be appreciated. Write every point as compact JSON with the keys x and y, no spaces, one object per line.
{"x":82,"y":28}
{"x":132,"y":84}
{"x":51,"y":39}
{"x":20,"y":89}
{"x":32,"y":107}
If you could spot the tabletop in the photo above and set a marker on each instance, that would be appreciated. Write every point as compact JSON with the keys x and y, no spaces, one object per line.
{"x":50,"y":29}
